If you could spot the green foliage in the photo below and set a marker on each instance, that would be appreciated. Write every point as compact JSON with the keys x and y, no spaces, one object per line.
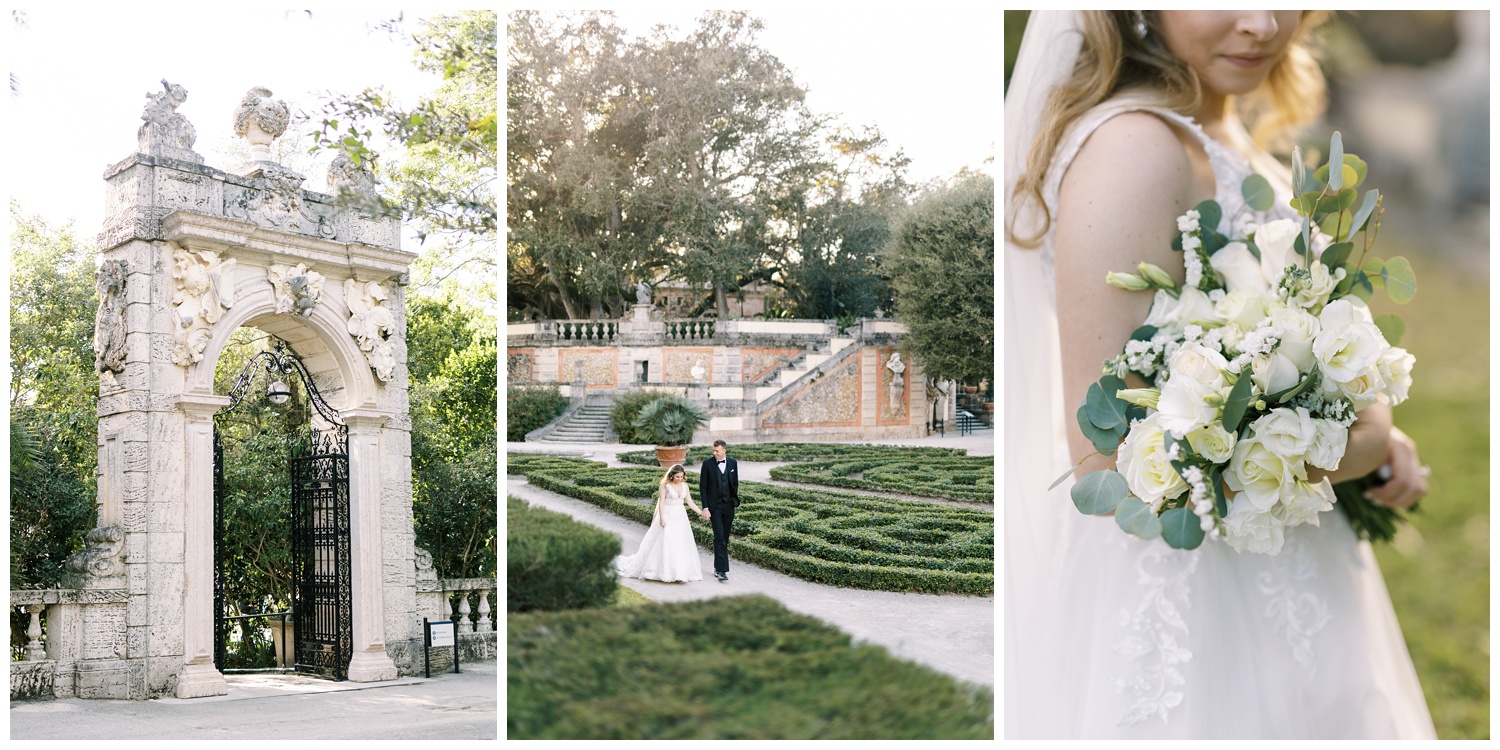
{"x":825,"y":537}
{"x":554,"y":562}
{"x":1099,"y":492}
{"x":941,"y":262}
{"x":258,"y":570}
{"x":725,"y":668}
{"x":805,"y":452}
{"x":670,"y":420}
{"x":622,"y":417}
{"x":529,"y":407}
{"x":970,"y":478}
{"x":51,"y":506}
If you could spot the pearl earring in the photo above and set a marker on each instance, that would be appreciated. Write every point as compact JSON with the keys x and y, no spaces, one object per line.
{"x":1140,"y":24}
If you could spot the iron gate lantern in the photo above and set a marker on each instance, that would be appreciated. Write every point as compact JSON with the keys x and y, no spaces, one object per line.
{"x":322,"y":593}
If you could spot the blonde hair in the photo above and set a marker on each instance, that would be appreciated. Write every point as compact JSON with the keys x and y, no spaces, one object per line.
{"x":676,"y":469}
{"x":1114,"y":57}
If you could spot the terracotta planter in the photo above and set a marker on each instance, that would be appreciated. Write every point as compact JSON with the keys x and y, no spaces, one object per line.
{"x":667,"y":456}
{"x":989,"y":406}
{"x":971,"y":389}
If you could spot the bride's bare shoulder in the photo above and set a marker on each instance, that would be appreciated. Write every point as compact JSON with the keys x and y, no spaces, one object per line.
{"x":1135,"y":149}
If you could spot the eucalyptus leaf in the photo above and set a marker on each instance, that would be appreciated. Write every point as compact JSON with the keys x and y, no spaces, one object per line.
{"x":1400,"y":280}
{"x":1099,"y":492}
{"x":1304,"y":202}
{"x":1360,"y":286}
{"x":1337,"y":202}
{"x":1180,"y":529}
{"x":1299,"y":171}
{"x":1106,"y":441}
{"x":1365,"y":209}
{"x":1337,"y":225}
{"x":1134,"y":516}
{"x":1238,"y":401}
{"x":1144,"y":333}
{"x":1282,"y":397}
{"x":1209,"y":214}
{"x":1392,"y":327}
{"x":1258,"y":193}
{"x":1216,"y":486}
{"x":1337,"y":254}
{"x":1060,"y":479}
{"x":1336,"y":156}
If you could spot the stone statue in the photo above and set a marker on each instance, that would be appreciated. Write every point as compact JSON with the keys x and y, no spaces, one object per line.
{"x":371,"y":324}
{"x":427,"y":579}
{"x":698,"y":372}
{"x":260,"y":120}
{"x":205,"y":289}
{"x":344,"y":175}
{"x":99,"y":560}
{"x":109,"y":321}
{"x":164,"y":130}
{"x":297,"y":289}
{"x":642,"y":293}
{"x":898,"y":383}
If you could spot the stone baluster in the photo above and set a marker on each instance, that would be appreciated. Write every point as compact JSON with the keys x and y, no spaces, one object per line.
{"x":465,"y":625}
{"x":484,"y":625}
{"x":35,"y":651}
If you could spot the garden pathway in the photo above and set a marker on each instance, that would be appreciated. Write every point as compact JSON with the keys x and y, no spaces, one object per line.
{"x":950,"y":633}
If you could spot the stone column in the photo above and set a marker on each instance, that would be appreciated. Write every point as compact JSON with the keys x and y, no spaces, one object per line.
{"x":369,"y":662}
{"x":199,"y":677}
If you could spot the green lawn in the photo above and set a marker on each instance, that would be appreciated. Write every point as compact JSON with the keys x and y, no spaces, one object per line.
{"x":1437,"y":570}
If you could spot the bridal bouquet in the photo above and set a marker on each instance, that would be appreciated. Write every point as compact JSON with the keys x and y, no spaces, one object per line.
{"x":1258,"y":365}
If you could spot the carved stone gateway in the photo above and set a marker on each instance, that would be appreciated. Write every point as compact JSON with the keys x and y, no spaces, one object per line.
{"x":190,"y":254}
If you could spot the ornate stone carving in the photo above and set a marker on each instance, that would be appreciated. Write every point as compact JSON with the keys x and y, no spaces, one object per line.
{"x":109,"y":321}
{"x":427,"y":579}
{"x":344,"y":175}
{"x":642,"y":293}
{"x":205,"y":289}
{"x":297,"y":288}
{"x":165,"y":131}
{"x":98,"y":561}
{"x":260,"y":120}
{"x":372,"y":325}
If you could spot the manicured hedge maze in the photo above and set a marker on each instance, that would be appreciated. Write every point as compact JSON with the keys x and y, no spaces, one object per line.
{"x":554,"y":562}
{"x":729,"y":668}
{"x":927,"y":472}
{"x":827,"y":537}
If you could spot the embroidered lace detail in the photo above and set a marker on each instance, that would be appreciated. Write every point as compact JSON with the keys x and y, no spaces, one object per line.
{"x":1155,"y":631}
{"x":1299,"y":614}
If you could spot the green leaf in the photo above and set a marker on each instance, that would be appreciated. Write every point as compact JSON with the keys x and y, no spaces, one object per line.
{"x":1304,"y":203}
{"x":1209,"y":214}
{"x":1134,"y":516}
{"x":1336,"y":156}
{"x":1299,"y":171}
{"x":1337,"y":225}
{"x":1104,"y":410}
{"x":1258,"y":193}
{"x":1180,"y":529}
{"x":1392,"y":327}
{"x":1106,"y":441}
{"x":1099,"y":492}
{"x":1337,"y":254}
{"x":1365,"y":209}
{"x":1216,"y":486}
{"x":1295,"y":391}
{"x":1060,"y":479}
{"x":1354,"y":171}
{"x":1238,"y":401}
{"x":1360,"y":286}
{"x":1144,"y":333}
{"x":1339,"y":201}
{"x":1400,"y":280}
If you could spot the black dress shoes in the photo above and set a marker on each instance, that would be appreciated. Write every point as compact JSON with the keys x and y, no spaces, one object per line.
{"x":723,"y":577}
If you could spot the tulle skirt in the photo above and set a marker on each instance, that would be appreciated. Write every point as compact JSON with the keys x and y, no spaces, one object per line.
{"x":667,"y":553}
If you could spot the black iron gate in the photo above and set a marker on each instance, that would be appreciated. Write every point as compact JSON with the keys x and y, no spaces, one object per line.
{"x":322,"y":595}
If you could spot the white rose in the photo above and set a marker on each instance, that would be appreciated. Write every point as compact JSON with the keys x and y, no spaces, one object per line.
{"x":1305,"y":502}
{"x":1196,"y":361}
{"x":1286,"y":432}
{"x":1315,"y":295}
{"x":1143,"y":461}
{"x":1185,"y":405}
{"x":1364,"y":390}
{"x":1328,"y":445}
{"x":1346,"y":346}
{"x":1212,"y":442}
{"x":1275,"y":240}
{"x":1169,"y":314}
{"x":1272,"y":373}
{"x":1249,"y":529}
{"x":1243,"y":309}
{"x":1260,"y":474}
{"x":1394,"y":367}
{"x":1239,"y":268}
{"x":1298,"y":329}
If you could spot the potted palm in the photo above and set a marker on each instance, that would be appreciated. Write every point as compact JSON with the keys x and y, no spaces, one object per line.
{"x":670,"y":422}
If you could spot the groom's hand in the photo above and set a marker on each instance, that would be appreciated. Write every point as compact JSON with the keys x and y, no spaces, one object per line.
{"x":705,"y":514}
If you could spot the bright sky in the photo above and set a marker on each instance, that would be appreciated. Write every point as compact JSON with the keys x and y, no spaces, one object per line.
{"x":84,"y":75}
{"x":930,"y":79}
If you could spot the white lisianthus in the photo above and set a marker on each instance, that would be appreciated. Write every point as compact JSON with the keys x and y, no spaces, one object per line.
{"x":1212,"y":442}
{"x":1275,"y":240}
{"x":1273,"y":373}
{"x":1305,"y":502}
{"x":1194,"y":360}
{"x":1187,"y":404}
{"x":1298,"y":329}
{"x":1260,"y":474}
{"x":1143,"y":462}
{"x":1347,"y":344}
{"x":1286,"y":432}
{"x":1191,"y":306}
{"x":1250,"y":529}
{"x":1395,"y":369}
{"x":1329,"y":443}
{"x":1239,"y":268}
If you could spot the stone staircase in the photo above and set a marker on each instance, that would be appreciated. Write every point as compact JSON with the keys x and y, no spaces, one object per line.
{"x":587,"y":425}
{"x":800,"y":365}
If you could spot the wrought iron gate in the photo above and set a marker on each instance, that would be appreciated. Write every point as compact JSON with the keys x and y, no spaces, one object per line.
{"x":322,"y":595}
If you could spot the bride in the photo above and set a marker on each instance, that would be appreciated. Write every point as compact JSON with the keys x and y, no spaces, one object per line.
{"x":667,"y":553}
{"x":1117,"y":122}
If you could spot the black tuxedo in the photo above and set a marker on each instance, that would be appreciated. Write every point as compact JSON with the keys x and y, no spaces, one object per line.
{"x":721,"y":495}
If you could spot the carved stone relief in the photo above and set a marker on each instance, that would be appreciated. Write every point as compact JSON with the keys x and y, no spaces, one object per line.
{"x":165,"y":132}
{"x":371,"y":324}
{"x":344,"y":175}
{"x":98,"y":561}
{"x":260,"y":120}
{"x":297,"y":288}
{"x":109,"y":321}
{"x":518,"y":365}
{"x":205,"y":289}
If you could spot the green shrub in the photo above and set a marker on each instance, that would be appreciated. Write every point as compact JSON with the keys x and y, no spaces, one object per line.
{"x":725,"y":668}
{"x":554,"y":562}
{"x":622,"y":417}
{"x":530,"y":407}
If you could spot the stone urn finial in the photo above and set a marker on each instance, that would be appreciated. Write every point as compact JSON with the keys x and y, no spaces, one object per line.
{"x":260,"y":120}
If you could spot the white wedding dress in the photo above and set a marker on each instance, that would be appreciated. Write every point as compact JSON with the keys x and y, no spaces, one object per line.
{"x":667,"y":553}
{"x":1109,"y":636}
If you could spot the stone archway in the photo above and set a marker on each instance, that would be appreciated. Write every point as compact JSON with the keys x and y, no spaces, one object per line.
{"x":190,"y":253}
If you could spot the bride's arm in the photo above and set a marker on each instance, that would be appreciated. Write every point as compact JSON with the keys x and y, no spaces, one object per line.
{"x":1118,"y":206}
{"x":661,"y":499}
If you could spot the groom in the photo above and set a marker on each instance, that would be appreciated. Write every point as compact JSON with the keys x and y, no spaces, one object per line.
{"x":719,"y":487}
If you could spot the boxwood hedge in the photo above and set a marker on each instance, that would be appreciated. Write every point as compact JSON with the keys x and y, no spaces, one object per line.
{"x":835,"y":538}
{"x":554,"y":562}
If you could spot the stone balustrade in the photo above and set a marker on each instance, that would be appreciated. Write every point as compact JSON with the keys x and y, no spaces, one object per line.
{"x":72,"y":648}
